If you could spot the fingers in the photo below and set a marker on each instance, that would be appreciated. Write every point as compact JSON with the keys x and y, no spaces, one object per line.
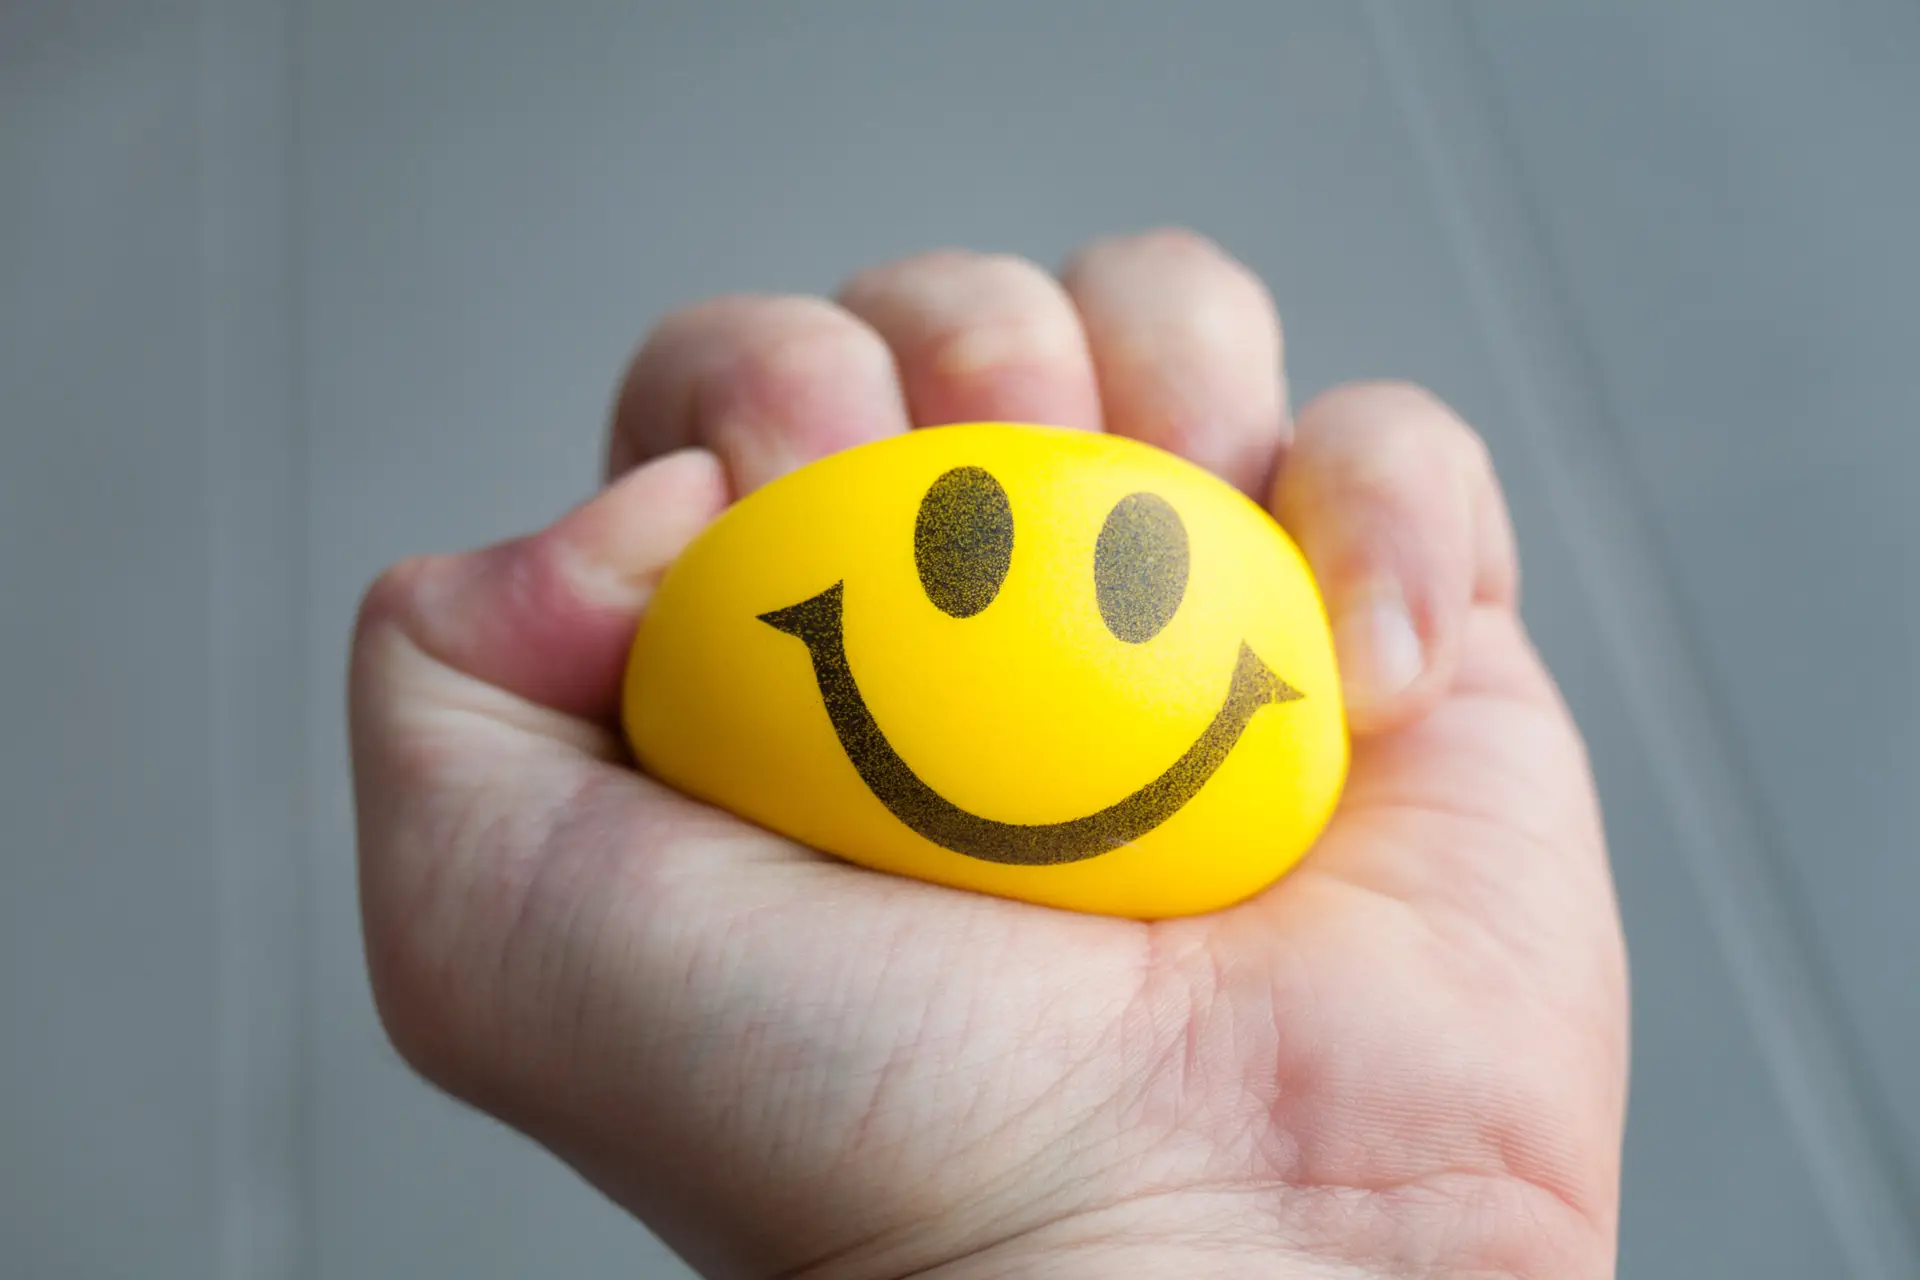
{"x":549,"y":617}
{"x":1169,"y":338}
{"x":766,"y":383}
{"x":1187,"y":346}
{"x":980,"y":338}
{"x":1394,"y":501}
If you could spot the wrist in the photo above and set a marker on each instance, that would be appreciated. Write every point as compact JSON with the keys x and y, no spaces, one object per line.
{"x":1496,"y":1228}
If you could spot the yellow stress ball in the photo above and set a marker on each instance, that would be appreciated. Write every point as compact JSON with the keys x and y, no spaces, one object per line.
{"x":1051,"y":665}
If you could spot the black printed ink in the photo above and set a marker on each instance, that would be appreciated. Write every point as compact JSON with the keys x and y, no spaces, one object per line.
{"x":1140,"y":567}
{"x":817,"y":624}
{"x":963,"y":541}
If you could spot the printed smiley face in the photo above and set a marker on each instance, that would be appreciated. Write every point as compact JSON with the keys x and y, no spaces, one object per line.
{"x":1051,"y":665}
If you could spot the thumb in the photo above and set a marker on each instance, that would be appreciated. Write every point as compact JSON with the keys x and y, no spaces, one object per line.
{"x":549,"y":617}
{"x":483,"y":700}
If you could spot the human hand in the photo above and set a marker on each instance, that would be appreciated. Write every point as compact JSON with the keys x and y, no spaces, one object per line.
{"x":1406,"y":1058}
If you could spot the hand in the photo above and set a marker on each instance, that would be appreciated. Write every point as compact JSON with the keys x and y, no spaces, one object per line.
{"x":1406,"y":1058}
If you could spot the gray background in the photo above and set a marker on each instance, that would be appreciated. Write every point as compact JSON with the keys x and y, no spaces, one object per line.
{"x":288,"y":290}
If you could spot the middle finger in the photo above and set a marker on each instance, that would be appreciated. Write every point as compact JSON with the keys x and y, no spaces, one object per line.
{"x":980,"y":338}
{"x":1188,"y":348}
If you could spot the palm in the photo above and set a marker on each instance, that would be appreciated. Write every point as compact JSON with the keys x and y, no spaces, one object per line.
{"x":1311,"y":1044}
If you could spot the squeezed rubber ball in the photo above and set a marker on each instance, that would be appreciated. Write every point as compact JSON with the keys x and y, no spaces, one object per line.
{"x":1052,"y":665}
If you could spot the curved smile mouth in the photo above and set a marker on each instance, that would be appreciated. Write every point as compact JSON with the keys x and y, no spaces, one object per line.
{"x":816,"y":622}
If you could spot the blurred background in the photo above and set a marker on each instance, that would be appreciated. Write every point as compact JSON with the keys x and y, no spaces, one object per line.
{"x":289,"y":290}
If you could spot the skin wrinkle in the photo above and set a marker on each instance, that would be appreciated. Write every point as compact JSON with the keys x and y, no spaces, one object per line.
{"x":412,"y":654}
{"x":1468,"y":896}
{"x":500,"y":895}
{"x":1515,"y":1151}
{"x":1182,"y":1047}
{"x":1082,"y":1138}
{"x":1402,"y":818}
{"x":554,"y":908}
{"x":504,"y":894}
{"x":1055,"y":1206}
{"x":1008,"y":391}
{"x":1421,"y":795}
{"x":970,"y":1117}
{"x":867,"y":1260}
{"x":1515,"y":1167}
{"x":898,"y":1061}
{"x":1306,"y":1238}
{"x":1012,"y":349}
{"x":1457,"y":937}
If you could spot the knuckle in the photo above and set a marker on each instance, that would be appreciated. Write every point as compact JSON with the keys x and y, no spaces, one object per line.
{"x":1168,"y":244}
{"x":1163,"y":248}
{"x":1394,"y":397}
{"x":1037,"y":342}
{"x":730,"y":318}
{"x":726,"y":315}
{"x":1211,"y":267}
{"x":784,"y":312}
{"x":886,"y":279}
{"x":1476,"y":460}
{"x":1249,"y":291}
{"x":955,"y":279}
{"x":786,"y":359}
{"x":683,"y":324}
{"x":1464,"y":448}
{"x":1234,"y":315}
{"x":1181,"y":242}
{"x":1401,"y":410}
{"x":1222,"y":295}
{"x":1016,"y":278}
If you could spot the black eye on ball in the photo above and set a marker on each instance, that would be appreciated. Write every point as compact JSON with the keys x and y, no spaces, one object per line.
{"x":1140,"y":566}
{"x":963,"y":541}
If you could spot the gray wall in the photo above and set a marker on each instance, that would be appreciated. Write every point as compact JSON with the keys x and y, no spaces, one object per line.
{"x":288,"y":290}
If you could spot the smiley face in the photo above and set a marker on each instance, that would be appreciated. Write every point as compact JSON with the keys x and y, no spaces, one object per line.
{"x":963,"y":547}
{"x":1051,"y":665}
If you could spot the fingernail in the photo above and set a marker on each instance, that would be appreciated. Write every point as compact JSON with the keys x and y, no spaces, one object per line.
{"x":1379,"y":651}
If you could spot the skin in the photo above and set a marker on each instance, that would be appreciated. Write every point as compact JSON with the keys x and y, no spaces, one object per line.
{"x":1408,"y":1058}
